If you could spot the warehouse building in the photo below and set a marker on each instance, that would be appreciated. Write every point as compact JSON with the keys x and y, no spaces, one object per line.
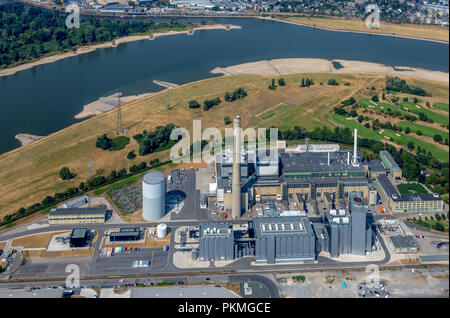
{"x":216,"y":241}
{"x":390,"y":164}
{"x":126,"y":234}
{"x":77,"y":215}
{"x":283,"y":239}
{"x":423,"y":202}
{"x":79,"y":237}
{"x":404,"y":244}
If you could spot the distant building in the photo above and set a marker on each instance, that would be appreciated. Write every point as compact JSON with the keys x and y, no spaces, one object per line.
{"x":376,"y":168}
{"x":423,"y":202}
{"x":75,"y":203}
{"x":77,"y":215}
{"x":79,"y":237}
{"x":390,"y":163}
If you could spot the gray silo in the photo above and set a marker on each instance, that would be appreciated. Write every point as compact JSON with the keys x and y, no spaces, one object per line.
{"x":153,"y":195}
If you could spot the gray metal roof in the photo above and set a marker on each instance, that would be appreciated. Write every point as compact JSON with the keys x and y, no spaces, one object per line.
{"x":78,"y":233}
{"x":217,"y":229}
{"x":282,"y":226}
{"x":101,"y":210}
{"x":376,"y":165}
{"x":390,"y":160}
{"x":387,"y":185}
{"x":417,"y":197}
{"x":318,"y":162}
{"x":154,"y":177}
{"x":404,"y":241}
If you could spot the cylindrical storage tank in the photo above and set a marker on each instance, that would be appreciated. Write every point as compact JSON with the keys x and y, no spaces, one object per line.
{"x":153,"y":195}
{"x":161,"y":230}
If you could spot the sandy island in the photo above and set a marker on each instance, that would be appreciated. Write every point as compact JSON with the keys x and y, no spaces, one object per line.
{"x":114,"y":43}
{"x":306,"y":65}
{"x":26,"y":139}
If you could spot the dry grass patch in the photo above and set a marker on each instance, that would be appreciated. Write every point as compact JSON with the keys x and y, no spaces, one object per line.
{"x":35,"y":241}
{"x":42,"y":253}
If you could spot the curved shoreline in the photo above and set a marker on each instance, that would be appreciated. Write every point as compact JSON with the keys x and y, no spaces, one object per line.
{"x":287,"y":66}
{"x":352,"y":31}
{"x":111,"y":44}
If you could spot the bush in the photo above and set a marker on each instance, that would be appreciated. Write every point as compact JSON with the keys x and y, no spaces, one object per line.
{"x":208,"y":104}
{"x":227,"y":120}
{"x":332,"y":81}
{"x":272,"y":86}
{"x":131,"y":155}
{"x":437,"y":138}
{"x":236,"y":94}
{"x":375,"y":98}
{"x":119,"y":143}
{"x":194,"y":104}
{"x":281,"y":82}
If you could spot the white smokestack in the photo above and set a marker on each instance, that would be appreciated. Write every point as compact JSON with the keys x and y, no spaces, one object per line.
{"x":355,"y":145}
{"x":348,"y":157}
{"x":328,"y":158}
{"x":236,"y":179}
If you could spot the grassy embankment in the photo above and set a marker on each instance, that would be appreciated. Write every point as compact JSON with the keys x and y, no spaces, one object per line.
{"x":409,"y":30}
{"x":30,"y":173}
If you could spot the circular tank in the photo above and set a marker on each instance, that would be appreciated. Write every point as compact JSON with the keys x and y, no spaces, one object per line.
{"x":161,"y":230}
{"x":153,"y":195}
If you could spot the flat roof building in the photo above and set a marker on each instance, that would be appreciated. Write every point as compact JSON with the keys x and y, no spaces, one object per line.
{"x":79,"y":237}
{"x":283,"y":239}
{"x":390,"y":163}
{"x":404,"y":244}
{"x":216,"y":241}
{"x":77,"y":215}
{"x":126,"y":234}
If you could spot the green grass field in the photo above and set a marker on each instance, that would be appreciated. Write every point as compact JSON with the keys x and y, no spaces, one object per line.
{"x":441,"y":106}
{"x":352,"y":124}
{"x":426,"y":131}
{"x":438,"y":118}
{"x":411,"y":188}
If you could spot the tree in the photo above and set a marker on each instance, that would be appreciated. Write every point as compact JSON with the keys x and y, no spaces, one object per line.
{"x":227,"y":120}
{"x":375,"y":98}
{"x":439,"y":227}
{"x":419,"y":133}
{"x":410,"y":145}
{"x":281,"y":82}
{"x":360,"y":119}
{"x":103,"y":142}
{"x":437,"y":138}
{"x":65,"y":173}
{"x":407,"y":130}
{"x":332,"y":81}
{"x":272,"y":86}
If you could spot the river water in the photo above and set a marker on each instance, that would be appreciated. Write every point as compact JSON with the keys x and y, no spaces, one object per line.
{"x":44,"y":99}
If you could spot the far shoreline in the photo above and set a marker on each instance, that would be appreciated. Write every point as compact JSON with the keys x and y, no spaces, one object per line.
{"x":111,"y":44}
{"x":352,"y":31}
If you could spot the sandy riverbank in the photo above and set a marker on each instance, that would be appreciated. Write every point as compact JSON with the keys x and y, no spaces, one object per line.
{"x":105,"y":104}
{"x":354,"y":31}
{"x":114,"y":43}
{"x":26,"y":139}
{"x":306,"y":65}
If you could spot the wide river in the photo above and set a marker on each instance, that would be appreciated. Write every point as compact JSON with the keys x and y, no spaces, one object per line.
{"x":44,"y":99}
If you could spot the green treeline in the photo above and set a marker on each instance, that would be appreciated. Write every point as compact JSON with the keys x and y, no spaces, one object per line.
{"x":30,"y":33}
{"x":399,"y":85}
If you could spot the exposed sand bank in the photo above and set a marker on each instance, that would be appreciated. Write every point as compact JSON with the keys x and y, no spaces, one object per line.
{"x":307,"y":65}
{"x":26,"y":139}
{"x":105,"y":104}
{"x":114,"y":43}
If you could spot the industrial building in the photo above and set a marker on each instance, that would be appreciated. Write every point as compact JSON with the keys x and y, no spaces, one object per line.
{"x":390,"y":163}
{"x":79,"y":237}
{"x":423,"y":202}
{"x":310,"y":174}
{"x":75,"y":203}
{"x":404,"y":244}
{"x":283,"y":239}
{"x":77,"y":215}
{"x":126,"y":234}
{"x":153,"y":195}
{"x":216,"y":241}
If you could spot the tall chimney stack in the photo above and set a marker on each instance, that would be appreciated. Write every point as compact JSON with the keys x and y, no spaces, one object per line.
{"x":355,"y":144}
{"x":236,"y":182}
